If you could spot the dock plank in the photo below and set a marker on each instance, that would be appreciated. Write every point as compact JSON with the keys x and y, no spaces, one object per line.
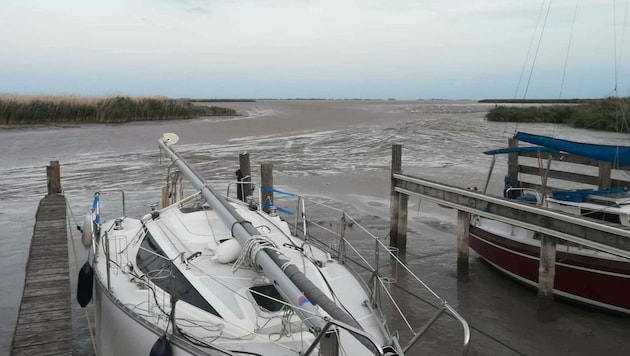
{"x":44,"y":324}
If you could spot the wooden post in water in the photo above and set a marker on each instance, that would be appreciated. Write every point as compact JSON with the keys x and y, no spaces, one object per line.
{"x":401,"y":237}
{"x":604,"y":175}
{"x":164,"y":196}
{"x":244,"y":190}
{"x":54,"y":178}
{"x":546,"y":276}
{"x":266,"y":181}
{"x":463,"y":227}
{"x":513,"y":161}
{"x":394,"y":203}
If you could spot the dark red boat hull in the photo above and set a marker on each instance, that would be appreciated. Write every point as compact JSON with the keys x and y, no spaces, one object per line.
{"x":598,"y":281}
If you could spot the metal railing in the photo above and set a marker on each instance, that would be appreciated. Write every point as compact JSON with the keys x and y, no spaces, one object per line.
{"x":380,"y":285}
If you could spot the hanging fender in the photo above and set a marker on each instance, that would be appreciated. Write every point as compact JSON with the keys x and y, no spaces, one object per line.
{"x":85,"y":284}
{"x":87,"y":231}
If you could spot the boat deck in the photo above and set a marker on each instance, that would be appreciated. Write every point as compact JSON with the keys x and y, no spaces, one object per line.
{"x":44,"y":324}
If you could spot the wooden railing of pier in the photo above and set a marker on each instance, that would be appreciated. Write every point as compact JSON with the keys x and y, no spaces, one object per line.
{"x":602,"y":180}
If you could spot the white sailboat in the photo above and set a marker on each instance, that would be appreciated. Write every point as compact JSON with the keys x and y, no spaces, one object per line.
{"x":212,"y":275}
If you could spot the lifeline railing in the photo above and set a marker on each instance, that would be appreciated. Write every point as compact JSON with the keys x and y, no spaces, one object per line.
{"x":380,"y":285}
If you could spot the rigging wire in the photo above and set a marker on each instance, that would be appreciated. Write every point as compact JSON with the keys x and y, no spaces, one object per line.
{"x":529,"y":48}
{"x":566,"y":58}
{"x":542,"y":31}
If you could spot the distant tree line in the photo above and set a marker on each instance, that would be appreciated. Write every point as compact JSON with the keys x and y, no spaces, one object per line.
{"x":608,"y":114}
{"x":118,"y":109}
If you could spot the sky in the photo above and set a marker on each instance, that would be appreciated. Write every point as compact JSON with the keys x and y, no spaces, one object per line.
{"x":403,"y":49}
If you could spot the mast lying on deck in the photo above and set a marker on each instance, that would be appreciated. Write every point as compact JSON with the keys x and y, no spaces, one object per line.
{"x":291,"y":282}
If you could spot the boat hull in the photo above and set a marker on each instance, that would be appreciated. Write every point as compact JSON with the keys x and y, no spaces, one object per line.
{"x":597,"y":281}
{"x":119,"y":332}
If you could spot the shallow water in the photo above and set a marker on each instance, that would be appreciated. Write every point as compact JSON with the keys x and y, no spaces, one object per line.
{"x":336,"y":151}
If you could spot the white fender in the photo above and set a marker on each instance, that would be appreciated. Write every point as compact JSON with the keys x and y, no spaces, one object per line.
{"x":87,"y":231}
{"x":227,"y":251}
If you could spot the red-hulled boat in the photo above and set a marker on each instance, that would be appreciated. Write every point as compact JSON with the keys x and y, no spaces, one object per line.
{"x":581,"y":274}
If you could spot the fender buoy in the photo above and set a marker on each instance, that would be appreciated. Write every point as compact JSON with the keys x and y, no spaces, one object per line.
{"x":228,"y":251}
{"x":87,"y":231}
{"x":162,"y":347}
{"x":85,"y":284}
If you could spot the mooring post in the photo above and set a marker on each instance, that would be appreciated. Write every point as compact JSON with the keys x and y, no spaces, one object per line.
{"x":513,"y":161}
{"x":54,"y":178}
{"x":245,"y":189}
{"x":266,"y":182}
{"x":402,"y":225}
{"x":394,"y":203}
{"x":546,"y":276}
{"x":463,"y":227}
{"x":165,"y":196}
{"x":604,"y":175}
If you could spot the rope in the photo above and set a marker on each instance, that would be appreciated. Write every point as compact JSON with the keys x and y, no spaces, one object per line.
{"x":251,"y":249}
{"x":76,"y":265}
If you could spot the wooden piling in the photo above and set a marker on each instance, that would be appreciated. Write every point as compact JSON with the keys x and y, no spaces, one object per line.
{"x":244,"y":190}
{"x":266,"y":181}
{"x":165,"y":196}
{"x":463,"y":227}
{"x":546,"y":276}
{"x":513,"y":161}
{"x":44,"y":323}
{"x":53,"y":176}
{"x":394,"y":203}
{"x":401,"y":234}
{"x":604,"y":178}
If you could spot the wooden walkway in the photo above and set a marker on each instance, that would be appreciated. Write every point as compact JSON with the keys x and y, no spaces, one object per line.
{"x":44,"y":325}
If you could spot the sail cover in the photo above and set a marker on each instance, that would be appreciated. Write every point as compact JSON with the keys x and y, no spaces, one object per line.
{"x":618,"y":155}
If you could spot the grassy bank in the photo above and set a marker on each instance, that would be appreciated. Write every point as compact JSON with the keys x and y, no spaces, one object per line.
{"x":67,"y":109}
{"x":610,"y":114}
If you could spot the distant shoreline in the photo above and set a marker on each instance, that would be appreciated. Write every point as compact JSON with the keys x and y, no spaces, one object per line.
{"x":220,"y":100}
{"x":538,"y":101}
{"x":32,"y":110}
{"x":607,"y":114}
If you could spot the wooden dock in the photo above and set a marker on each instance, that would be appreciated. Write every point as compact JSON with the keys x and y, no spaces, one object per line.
{"x":44,"y":324}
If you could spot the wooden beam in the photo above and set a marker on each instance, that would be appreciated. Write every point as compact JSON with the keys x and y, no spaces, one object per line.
{"x":604,"y":175}
{"x":568,"y":176}
{"x":53,"y":176}
{"x":244,"y":190}
{"x":609,"y":237}
{"x":401,"y":236}
{"x":266,"y":180}
{"x":546,"y":277}
{"x":513,"y":160}
{"x":394,"y":200}
{"x":463,"y":227}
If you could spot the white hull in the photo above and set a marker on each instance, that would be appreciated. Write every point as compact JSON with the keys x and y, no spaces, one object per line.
{"x":217,"y":276}
{"x":120,"y":332}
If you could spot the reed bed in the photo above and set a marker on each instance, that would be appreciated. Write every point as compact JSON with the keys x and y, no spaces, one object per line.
{"x":118,"y":109}
{"x":609,"y":114}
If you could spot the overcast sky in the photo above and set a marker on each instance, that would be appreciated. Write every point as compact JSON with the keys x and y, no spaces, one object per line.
{"x":405,"y":49}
